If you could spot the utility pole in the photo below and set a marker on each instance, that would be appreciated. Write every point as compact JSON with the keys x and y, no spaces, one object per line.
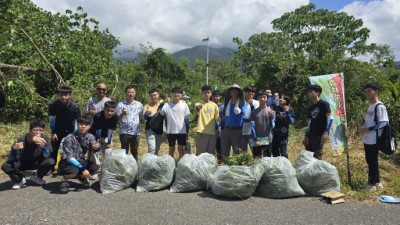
{"x":207,"y":40}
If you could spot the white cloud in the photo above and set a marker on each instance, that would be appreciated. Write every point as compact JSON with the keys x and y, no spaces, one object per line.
{"x":178,"y":24}
{"x":382,"y":17}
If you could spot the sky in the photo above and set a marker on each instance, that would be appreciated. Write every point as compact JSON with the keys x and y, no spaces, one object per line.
{"x":178,"y":24}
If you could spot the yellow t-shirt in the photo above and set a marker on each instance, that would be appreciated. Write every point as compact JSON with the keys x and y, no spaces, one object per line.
{"x":207,"y":116}
{"x":153,"y":109}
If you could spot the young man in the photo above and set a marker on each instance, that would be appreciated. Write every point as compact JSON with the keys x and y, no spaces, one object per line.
{"x":96,"y":103}
{"x":235,"y":108}
{"x":249,"y":93}
{"x":104,"y":123}
{"x":176,"y":113}
{"x":74,"y":162}
{"x":30,"y":152}
{"x":284,"y":116}
{"x":370,"y":130}
{"x":216,"y":98}
{"x":208,"y":114}
{"x":320,"y":122}
{"x":271,"y":99}
{"x":130,"y":116}
{"x":262,"y":123}
{"x":153,"y":137}
{"x":63,"y":114}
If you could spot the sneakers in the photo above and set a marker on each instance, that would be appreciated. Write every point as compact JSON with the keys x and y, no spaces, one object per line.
{"x":64,"y":187}
{"x":85,"y":181}
{"x":37,"y":180}
{"x":94,"y":177}
{"x":17,"y":186}
{"x":370,"y":187}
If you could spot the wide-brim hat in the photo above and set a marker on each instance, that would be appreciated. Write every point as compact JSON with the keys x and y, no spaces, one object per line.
{"x":269,"y":92}
{"x":228,"y":92}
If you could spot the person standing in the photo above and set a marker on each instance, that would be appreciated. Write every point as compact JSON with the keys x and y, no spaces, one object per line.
{"x":96,"y":103}
{"x":235,"y":107}
{"x":63,"y":114}
{"x":284,"y":116}
{"x":208,"y":114}
{"x":153,"y":136}
{"x":130,"y":116}
{"x":177,"y":115}
{"x":320,"y":122}
{"x":249,"y":93}
{"x":370,"y":131}
{"x":262,"y":123}
{"x":216,"y":98}
{"x":30,"y":152}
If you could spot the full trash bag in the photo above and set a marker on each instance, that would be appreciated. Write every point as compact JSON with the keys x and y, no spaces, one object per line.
{"x":193,"y":172}
{"x":118,"y":171}
{"x":316,"y":176}
{"x":155,"y":173}
{"x":279,"y":179}
{"x":235,"y":181}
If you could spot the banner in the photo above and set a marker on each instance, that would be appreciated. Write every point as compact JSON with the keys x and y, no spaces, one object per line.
{"x":333,"y":92}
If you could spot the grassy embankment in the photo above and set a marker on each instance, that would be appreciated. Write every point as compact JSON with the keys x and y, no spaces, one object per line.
{"x":389,"y":165}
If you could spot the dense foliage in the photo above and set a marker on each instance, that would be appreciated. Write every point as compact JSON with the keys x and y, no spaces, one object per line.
{"x":306,"y":42}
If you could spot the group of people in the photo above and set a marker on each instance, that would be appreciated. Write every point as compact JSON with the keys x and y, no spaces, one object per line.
{"x":235,"y":120}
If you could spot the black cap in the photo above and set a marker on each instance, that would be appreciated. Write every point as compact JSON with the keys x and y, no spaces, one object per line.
{"x":64,"y":89}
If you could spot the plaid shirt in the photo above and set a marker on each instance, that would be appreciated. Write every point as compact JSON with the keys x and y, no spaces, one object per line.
{"x":73,"y":149}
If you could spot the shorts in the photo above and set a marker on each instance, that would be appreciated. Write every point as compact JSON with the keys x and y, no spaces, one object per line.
{"x":65,"y":168}
{"x":172,"y":138}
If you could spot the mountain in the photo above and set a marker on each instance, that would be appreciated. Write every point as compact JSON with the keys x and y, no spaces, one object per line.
{"x":200,"y":53}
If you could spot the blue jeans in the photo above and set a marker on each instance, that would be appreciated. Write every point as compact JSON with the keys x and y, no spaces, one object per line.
{"x":153,"y":141}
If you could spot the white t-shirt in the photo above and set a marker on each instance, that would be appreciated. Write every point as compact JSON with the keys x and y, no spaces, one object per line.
{"x":246,"y":129}
{"x":95,"y":104}
{"x":175,"y":115}
{"x":382,"y":116}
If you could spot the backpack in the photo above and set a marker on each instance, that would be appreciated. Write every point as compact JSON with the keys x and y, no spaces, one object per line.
{"x":386,"y":143}
{"x":156,"y":123}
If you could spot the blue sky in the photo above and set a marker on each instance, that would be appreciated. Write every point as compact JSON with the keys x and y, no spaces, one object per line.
{"x":333,"y":4}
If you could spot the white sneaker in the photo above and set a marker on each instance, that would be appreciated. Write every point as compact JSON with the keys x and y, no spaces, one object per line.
{"x":37,"y":180}
{"x":64,"y":187}
{"x":17,"y":186}
{"x":94,"y":177}
{"x":379,"y":186}
{"x":369,"y":187}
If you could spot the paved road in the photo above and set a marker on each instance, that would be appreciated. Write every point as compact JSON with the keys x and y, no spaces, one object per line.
{"x":46,"y":205}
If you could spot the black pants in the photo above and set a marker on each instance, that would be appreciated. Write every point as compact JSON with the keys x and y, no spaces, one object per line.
{"x":262,"y":151}
{"x":371,"y":156}
{"x":314,"y":145}
{"x":131,"y":141}
{"x":280,"y":146}
{"x":13,"y":169}
{"x":218,"y":149}
{"x":65,"y":168}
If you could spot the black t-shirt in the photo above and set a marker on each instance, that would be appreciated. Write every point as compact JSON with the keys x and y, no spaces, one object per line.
{"x":101,"y":123}
{"x":65,"y":116}
{"x":317,"y":114}
{"x":282,"y":123}
{"x":32,"y":152}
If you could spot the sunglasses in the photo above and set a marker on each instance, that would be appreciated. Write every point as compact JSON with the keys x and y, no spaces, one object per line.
{"x":102,"y":89}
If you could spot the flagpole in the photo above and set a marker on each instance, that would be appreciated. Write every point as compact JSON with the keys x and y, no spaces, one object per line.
{"x":207,"y":40}
{"x":207,"y":61}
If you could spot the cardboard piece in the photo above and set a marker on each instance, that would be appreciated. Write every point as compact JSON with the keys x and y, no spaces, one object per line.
{"x":333,"y":197}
